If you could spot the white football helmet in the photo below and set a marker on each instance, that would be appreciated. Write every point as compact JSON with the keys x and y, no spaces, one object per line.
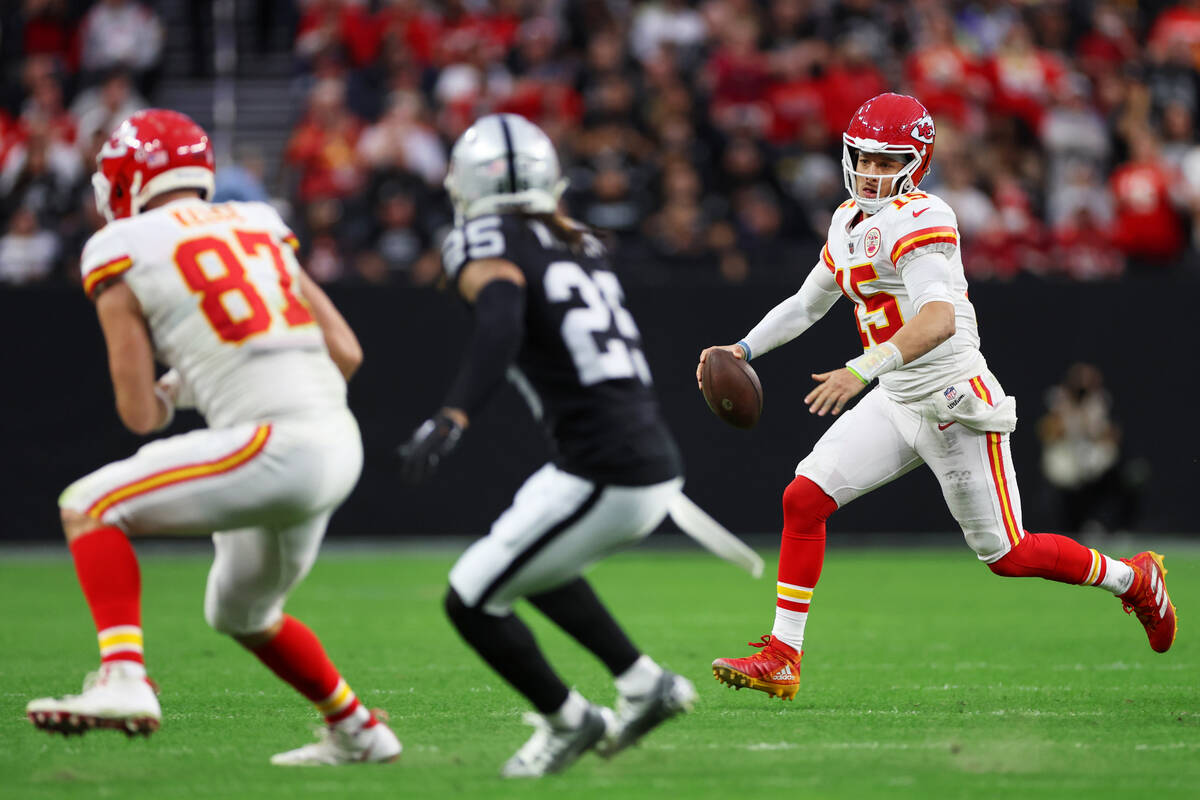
{"x":504,"y":163}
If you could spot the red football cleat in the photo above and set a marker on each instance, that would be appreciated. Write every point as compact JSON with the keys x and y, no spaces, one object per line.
{"x":775,"y":669}
{"x":1148,"y":598}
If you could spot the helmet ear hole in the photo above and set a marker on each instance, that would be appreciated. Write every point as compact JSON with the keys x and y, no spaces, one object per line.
{"x":118,"y":191}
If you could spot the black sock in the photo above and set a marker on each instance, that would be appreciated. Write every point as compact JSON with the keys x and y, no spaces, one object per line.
{"x":576,"y":609}
{"x":508,"y":646}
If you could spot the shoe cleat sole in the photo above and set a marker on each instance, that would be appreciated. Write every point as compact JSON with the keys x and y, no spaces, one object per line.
{"x":738,"y":680}
{"x":79,"y":724}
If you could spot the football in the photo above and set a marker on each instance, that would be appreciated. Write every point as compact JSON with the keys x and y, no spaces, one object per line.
{"x":731,"y":389}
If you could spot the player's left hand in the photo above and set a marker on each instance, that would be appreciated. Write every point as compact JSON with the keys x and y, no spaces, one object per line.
{"x":835,"y":389}
{"x":429,"y":444}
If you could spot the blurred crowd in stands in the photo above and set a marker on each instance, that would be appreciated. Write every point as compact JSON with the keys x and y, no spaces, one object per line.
{"x":703,"y":136}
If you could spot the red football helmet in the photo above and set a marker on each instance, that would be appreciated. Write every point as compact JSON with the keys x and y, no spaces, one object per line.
{"x":152,"y":152}
{"x":889,"y":123}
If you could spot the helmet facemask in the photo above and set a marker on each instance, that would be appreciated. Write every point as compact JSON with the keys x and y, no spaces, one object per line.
{"x":902,"y":180}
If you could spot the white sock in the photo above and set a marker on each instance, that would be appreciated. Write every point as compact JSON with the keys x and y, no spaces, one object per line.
{"x":1118,"y":576}
{"x":358,"y":717}
{"x":639,"y":678}
{"x":127,"y":669}
{"x":570,"y":713}
{"x":789,"y":627}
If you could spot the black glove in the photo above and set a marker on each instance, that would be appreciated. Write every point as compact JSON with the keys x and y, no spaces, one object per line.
{"x":430,"y":443}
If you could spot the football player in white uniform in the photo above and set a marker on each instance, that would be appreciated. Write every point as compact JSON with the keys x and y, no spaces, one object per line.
{"x":215,"y":292}
{"x":894,"y":251}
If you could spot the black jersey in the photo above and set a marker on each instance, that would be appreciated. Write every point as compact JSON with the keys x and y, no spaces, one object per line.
{"x":581,"y":368}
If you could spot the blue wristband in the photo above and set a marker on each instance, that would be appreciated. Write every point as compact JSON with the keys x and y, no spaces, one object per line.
{"x":745,"y":349}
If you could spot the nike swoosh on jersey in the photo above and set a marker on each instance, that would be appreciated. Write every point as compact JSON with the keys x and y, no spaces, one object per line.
{"x":943,"y":427}
{"x":919,"y":213}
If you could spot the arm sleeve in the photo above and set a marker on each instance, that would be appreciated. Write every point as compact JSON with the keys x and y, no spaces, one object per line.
{"x":927,"y":278}
{"x":499,"y":330}
{"x":796,"y":314}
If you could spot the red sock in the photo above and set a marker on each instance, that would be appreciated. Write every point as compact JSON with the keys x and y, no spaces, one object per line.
{"x":295,"y":654}
{"x":112,"y":585}
{"x":1049,"y":556}
{"x":802,"y":548}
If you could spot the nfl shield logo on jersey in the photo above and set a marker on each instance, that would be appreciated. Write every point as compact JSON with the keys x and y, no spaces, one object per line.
{"x":950,"y":394}
{"x":871,"y":242}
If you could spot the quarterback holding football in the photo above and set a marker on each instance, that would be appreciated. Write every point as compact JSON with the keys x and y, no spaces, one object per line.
{"x":893,"y":250}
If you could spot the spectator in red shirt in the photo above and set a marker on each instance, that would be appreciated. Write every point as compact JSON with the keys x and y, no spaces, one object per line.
{"x":461,"y":31}
{"x":1107,"y":45}
{"x":796,"y":97}
{"x":944,"y":75}
{"x":340,"y":26}
{"x":323,"y":146}
{"x":739,"y":77}
{"x":8,"y":136}
{"x":851,"y":80}
{"x":543,"y":91}
{"x":1148,"y":228}
{"x":1178,"y":24}
{"x":1025,"y":79}
{"x":49,"y":30}
{"x":409,"y":23}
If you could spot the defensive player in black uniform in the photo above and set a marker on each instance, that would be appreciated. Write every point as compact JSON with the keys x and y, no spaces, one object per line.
{"x":549,"y":315}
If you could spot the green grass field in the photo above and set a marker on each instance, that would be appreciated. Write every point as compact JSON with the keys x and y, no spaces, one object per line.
{"x":925,"y":676}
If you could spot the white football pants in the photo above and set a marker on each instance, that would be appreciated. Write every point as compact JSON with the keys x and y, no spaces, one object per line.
{"x":880,"y":439}
{"x":267,"y":490}
{"x":558,"y":524}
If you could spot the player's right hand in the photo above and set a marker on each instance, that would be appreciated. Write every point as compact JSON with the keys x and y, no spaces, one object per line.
{"x":174,"y":391}
{"x":429,"y":444}
{"x":736,"y":349}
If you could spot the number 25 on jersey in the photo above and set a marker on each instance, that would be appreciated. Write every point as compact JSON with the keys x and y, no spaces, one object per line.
{"x":602,"y":320}
{"x":194,"y":255}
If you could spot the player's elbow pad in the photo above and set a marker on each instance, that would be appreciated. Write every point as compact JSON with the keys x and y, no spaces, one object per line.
{"x":499,"y":330}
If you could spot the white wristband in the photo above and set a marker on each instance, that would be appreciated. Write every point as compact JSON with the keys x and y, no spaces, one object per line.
{"x":875,"y":362}
{"x":169,"y":404}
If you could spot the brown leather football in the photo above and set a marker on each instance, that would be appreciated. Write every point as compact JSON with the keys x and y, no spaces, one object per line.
{"x":731,"y":389}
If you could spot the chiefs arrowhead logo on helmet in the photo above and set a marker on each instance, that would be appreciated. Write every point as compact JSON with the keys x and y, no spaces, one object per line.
{"x":152,"y":152}
{"x":923,"y":130}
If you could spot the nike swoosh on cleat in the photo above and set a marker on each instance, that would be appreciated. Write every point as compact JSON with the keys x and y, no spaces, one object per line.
{"x":919,"y":213}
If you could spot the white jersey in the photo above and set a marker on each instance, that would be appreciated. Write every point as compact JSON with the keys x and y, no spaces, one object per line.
{"x":217,"y":285}
{"x":867,"y":257}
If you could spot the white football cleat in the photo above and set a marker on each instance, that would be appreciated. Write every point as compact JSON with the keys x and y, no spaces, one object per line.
{"x":334,"y":746}
{"x":118,"y":696}
{"x":638,"y":715}
{"x":553,"y":749}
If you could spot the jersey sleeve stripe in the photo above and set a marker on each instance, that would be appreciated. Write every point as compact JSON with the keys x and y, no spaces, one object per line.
{"x":104,"y":272}
{"x":941,"y":235}
{"x":290,"y":239}
{"x":827,"y":258}
{"x":189,"y":472}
